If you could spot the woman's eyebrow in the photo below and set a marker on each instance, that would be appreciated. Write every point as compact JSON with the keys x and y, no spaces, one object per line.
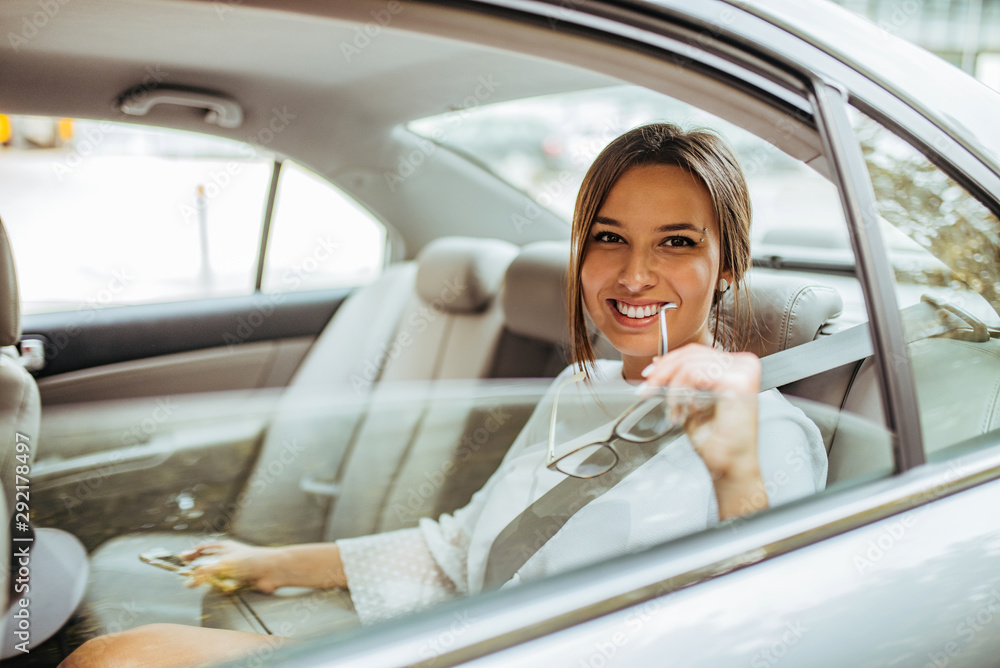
{"x":672,"y":227}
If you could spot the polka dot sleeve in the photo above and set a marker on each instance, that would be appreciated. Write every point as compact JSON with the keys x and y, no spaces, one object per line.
{"x":392,"y":574}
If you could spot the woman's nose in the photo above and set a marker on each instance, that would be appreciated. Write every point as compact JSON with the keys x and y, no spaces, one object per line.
{"x":637,"y":274}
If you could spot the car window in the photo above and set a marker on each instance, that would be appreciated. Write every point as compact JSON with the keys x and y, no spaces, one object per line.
{"x":543,"y":146}
{"x":320,"y":237}
{"x":121,"y":214}
{"x":944,"y":246}
{"x":110,"y":214}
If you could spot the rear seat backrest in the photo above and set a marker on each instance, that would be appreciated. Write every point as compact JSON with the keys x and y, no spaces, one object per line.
{"x":958,"y":393}
{"x":440,"y":475}
{"x":454,"y":326}
{"x":535,"y":319}
{"x":434,"y":318}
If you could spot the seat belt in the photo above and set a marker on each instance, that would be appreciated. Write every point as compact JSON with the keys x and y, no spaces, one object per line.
{"x":537,"y":523}
{"x":923,"y":320}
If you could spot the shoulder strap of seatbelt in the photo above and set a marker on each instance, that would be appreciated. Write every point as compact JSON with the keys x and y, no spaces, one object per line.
{"x":530,"y":530}
{"x":920,"y":321}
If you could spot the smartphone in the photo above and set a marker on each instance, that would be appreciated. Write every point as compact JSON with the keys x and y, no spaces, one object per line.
{"x":172,"y":562}
{"x":165,"y":560}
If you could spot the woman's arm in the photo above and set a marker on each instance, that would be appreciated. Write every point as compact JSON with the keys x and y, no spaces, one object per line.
{"x":316,"y":565}
{"x":724,"y":436}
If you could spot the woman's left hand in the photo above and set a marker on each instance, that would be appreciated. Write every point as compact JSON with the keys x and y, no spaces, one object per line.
{"x":724,"y":432}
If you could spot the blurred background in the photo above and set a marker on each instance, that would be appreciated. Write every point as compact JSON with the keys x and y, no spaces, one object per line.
{"x":966,"y":33}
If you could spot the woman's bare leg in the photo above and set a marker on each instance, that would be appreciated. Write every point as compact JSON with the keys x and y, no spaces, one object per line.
{"x":171,"y":646}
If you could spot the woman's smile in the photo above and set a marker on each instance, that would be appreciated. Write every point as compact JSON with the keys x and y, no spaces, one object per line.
{"x":635,"y":313}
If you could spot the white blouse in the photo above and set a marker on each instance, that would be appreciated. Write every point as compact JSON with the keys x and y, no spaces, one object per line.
{"x":669,"y":496}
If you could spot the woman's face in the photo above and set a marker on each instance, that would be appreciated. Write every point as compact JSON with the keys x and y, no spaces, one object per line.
{"x":654,"y":240}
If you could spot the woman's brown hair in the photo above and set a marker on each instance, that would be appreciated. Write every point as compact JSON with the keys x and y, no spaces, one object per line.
{"x":704,"y":155}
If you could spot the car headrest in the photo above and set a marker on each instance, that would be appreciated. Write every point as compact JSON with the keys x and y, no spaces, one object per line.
{"x":534,"y":297}
{"x":785,"y":312}
{"x":10,"y":299}
{"x":462,"y":275}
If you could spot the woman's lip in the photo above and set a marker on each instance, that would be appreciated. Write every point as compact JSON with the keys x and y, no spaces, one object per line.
{"x":635,"y":323}
{"x":638,"y":304}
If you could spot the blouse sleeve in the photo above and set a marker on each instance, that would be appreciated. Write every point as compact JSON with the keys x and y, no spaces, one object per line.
{"x":399,"y":572}
{"x":391,"y":574}
{"x":793,"y":462}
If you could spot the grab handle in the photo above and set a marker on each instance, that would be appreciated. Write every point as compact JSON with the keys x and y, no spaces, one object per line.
{"x":220,"y":110}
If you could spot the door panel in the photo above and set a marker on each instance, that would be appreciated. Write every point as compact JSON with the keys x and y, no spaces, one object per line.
{"x":141,"y":428}
{"x":171,"y":462}
{"x":97,"y":337}
{"x":244,"y":367}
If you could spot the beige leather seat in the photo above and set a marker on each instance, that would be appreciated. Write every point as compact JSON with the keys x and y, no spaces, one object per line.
{"x":958,"y":394}
{"x":435,"y":318}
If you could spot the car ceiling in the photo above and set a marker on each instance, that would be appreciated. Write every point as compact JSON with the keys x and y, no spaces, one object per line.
{"x":90,"y":52}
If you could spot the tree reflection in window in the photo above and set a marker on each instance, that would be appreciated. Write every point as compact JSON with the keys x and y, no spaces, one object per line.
{"x":920,"y":200}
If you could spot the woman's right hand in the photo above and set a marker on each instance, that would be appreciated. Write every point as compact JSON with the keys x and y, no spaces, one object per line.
{"x":255,"y":567}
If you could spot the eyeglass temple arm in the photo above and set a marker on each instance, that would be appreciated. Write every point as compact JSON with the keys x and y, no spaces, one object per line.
{"x":663,"y":326}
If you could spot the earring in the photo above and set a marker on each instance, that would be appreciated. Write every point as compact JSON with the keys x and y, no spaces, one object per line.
{"x":723,"y":285}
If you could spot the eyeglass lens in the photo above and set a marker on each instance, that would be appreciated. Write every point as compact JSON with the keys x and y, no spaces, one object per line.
{"x":588,"y":462}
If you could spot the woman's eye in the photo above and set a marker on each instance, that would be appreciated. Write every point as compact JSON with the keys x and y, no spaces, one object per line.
{"x":609,"y":237}
{"x":679,"y":242}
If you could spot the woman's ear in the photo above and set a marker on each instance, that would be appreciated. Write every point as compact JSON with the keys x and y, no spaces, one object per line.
{"x":725,"y":281}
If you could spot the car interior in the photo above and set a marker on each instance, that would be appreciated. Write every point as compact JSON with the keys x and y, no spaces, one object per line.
{"x":314,"y":433}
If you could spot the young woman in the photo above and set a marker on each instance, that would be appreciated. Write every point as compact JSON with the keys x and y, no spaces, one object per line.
{"x":662,"y":216}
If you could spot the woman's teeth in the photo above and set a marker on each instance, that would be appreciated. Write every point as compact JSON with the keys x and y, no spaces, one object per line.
{"x":637,"y":312}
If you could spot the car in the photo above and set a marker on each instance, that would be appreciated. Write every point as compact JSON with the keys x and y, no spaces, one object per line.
{"x":298,"y":274}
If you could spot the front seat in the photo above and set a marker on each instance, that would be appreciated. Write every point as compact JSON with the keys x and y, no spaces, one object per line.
{"x":48,"y":567}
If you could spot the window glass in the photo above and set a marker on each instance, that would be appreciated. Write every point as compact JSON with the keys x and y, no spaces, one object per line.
{"x":106,"y":214}
{"x":544,"y":146}
{"x":944,"y":245}
{"x":320,"y":238}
